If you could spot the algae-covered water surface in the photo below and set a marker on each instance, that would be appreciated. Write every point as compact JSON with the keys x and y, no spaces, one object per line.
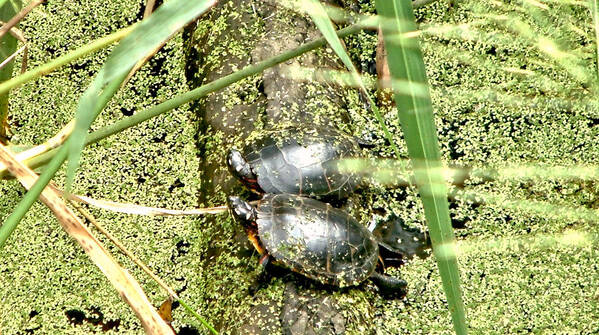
{"x":513,"y":89}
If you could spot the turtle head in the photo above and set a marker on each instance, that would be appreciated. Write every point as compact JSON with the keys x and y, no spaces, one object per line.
{"x":243,"y":211}
{"x":241,"y":169}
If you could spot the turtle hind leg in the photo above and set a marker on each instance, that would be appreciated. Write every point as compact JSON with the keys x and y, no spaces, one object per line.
{"x":389,"y":286}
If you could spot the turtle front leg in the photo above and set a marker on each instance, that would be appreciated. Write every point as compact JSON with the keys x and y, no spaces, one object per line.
{"x":389,"y":286}
{"x":264,"y":263}
{"x":264,"y":276}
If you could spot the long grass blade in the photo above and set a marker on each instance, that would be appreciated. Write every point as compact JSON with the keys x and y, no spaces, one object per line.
{"x":570,"y":238}
{"x":62,"y":60}
{"x":8,"y":46}
{"x":595,"y":14}
{"x":197,"y":93}
{"x":95,"y":98}
{"x":134,"y":209}
{"x":417,"y":122}
{"x":324,"y":24}
{"x":151,"y":33}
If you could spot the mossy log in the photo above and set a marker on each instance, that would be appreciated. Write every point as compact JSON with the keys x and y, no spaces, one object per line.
{"x":236,"y":34}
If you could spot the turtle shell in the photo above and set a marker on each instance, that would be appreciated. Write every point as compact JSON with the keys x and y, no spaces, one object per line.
{"x":303,"y":161}
{"x":316,"y":239}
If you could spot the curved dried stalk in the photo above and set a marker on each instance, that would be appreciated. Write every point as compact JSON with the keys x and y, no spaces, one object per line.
{"x":123,"y":282}
{"x":20,"y":15}
{"x":150,"y":4}
{"x":11,"y":57}
{"x":52,"y":143}
{"x":123,"y":249}
{"x":143,"y":266}
{"x":128,"y":208}
{"x":18,"y":34}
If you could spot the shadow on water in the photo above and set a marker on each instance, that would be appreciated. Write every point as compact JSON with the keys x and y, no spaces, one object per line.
{"x":95,"y":317}
{"x":399,"y":241}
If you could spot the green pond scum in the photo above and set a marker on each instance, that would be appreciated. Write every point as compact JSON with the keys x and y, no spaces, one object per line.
{"x":506,"y":88}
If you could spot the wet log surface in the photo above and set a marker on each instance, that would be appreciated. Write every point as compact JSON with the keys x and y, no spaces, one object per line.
{"x":244,"y":33}
{"x":256,"y":33}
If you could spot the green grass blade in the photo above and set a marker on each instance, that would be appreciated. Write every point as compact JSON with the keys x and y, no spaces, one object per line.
{"x":8,"y":46}
{"x":11,"y":222}
{"x":62,"y":60}
{"x":98,"y":95}
{"x":324,"y":24}
{"x":58,"y":156}
{"x":197,"y":93}
{"x":197,"y":316}
{"x":150,"y":34}
{"x":595,"y":13}
{"x":416,"y":117}
{"x":17,"y":215}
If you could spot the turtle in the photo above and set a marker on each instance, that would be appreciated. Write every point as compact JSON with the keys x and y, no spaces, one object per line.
{"x":314,"y":239}
{"x":299,"y":160}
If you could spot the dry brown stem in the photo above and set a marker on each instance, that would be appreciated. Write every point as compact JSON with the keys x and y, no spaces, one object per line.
{"x":123,"y":282}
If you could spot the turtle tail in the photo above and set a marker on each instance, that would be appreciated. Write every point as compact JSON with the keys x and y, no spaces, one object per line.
{"x":388,"y":285}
